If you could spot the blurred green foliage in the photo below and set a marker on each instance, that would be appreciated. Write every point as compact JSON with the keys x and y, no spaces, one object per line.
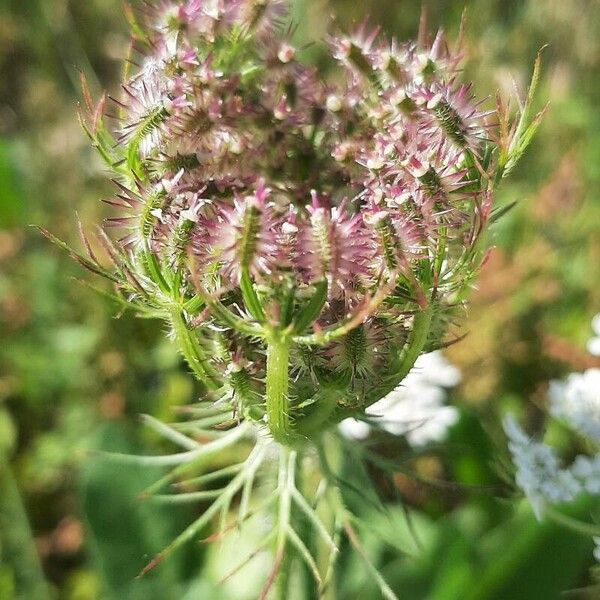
{"x":73,"y":378}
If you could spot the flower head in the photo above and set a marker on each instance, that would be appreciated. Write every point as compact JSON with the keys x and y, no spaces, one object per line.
{"x":339,"y":218}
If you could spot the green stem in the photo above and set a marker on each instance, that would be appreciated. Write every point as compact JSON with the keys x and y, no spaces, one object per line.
{"x":17,"y":539}
{"x":345,"y":517}
{"x":412,"y":349}
{"x":301,"y":525}
{"x":192,"y":351}
{"x":287,"y":479}
{"x":277,"y":388}
{"x":571,"y":523}
{"x":416,"y":341}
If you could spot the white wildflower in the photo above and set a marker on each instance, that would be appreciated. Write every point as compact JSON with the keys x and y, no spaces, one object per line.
{"x":577,"y":401}
{"x":539,"y":473}
{"x":593,"y":344}
{"x":354,"y":429}
{"x":587,"y":470}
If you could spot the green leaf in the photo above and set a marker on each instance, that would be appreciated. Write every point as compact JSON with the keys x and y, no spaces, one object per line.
{"x":523,"y":142}
{"x":526,"y":127}
{"x":525,"y":559}
{"x":154,"y":270}
{"x":287,"y":305}
{"x":251,"y":299}
{"x":92,"y":266}
{"x":499,"y":212}
{"x":312,"y":309}
{"x":123,"y":531}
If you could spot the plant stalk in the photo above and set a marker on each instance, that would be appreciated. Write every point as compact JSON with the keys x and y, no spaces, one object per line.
{"x":413,"y":348}
{"x":286,"y":483}
{"x":277,"y":388}
{"x":192,"y":351}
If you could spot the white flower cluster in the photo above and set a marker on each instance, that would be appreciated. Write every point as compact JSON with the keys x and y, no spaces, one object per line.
{"x":576,"y":400}
{"x":416,"y":408}
{"x":539,"y":472}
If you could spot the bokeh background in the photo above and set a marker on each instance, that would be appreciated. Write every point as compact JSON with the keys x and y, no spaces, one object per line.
{"x":74,"y":374}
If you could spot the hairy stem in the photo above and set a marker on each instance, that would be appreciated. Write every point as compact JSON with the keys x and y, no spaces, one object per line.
{"x":416,"y":341}
{"x":277,"y":387}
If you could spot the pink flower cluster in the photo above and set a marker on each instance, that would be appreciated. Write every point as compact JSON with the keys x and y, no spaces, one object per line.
{"x":263,"y":162}
{"x":257,"y":194}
